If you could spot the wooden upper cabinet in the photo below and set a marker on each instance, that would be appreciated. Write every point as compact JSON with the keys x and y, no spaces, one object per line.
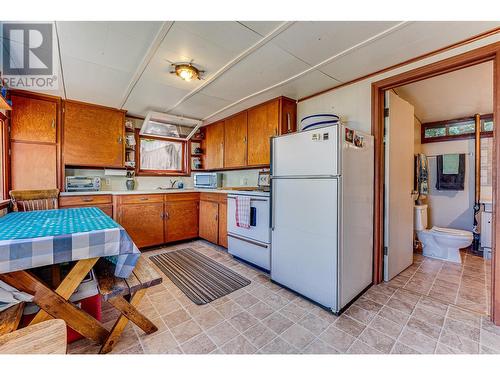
{"x":263,"y":123}
{"x":246,"y":135}
{"x":214,"y":146}
{"x":93,"y":135}
{"x":33,"y":166}
{"x":34,"y":119}
{"x":235,"y":141}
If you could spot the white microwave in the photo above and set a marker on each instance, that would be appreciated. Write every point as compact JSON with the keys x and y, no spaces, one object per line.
{"x":208,"y":180}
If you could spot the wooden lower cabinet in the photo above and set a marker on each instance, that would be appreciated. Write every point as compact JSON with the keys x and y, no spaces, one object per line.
{"x":143,"y":222}
{"x":209,"y":223}
{"x":213,"y":218}
{"x":154,"y":219}
{"x":181,"y":217}
{"x":222,"y":240}
{"x":104,"y":202}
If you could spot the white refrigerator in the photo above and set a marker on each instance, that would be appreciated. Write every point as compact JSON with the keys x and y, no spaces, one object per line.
{"x":322,"y":214}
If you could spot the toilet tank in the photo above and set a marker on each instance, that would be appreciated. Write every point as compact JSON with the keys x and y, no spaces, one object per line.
{"x":420,"y":217}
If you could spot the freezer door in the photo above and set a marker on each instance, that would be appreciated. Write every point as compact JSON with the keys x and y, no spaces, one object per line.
{"x":305,"y":237}
{"x":309,"y":153}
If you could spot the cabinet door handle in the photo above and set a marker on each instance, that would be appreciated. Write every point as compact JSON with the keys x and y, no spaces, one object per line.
{"x":53,"y":125}
{"x":143,"y":199}
{"x":288,"y":123}
{"x":120,"y":139}
{"x":87,"y":199}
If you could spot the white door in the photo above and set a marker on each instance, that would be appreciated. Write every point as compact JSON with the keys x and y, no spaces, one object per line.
{"x":399,"y":145}
{"x":310,"y":153}
{"x":305,"y":237}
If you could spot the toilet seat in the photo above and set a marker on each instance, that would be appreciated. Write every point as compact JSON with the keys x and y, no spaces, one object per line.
{"x":451,"y":232}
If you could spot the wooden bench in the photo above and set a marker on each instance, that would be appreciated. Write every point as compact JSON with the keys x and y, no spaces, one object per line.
{"x":125,"y":296}
{"x":48,"y":337}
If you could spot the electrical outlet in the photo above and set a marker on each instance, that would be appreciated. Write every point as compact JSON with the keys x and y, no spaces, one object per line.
{"x":107,"y":181}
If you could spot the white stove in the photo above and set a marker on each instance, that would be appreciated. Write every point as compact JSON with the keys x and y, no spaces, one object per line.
{"x":253,"y":244}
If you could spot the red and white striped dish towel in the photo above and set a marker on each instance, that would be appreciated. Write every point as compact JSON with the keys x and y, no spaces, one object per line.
{"x":243,"y":212}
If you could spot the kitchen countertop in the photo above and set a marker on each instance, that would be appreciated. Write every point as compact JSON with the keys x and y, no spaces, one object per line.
{"x":159,"y":191}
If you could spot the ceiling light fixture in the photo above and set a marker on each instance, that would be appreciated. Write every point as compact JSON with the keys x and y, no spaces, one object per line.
{"x":186,"y":71}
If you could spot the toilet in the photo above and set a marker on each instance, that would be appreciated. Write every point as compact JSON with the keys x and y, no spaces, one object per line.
{"x":440,"y":243}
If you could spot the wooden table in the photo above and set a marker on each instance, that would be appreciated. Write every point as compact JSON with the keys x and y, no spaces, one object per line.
{"x":40,"y":238}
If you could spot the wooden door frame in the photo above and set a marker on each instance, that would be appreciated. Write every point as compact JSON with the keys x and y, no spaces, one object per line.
{"x":490,"y":52}
{"x":4,"y":158}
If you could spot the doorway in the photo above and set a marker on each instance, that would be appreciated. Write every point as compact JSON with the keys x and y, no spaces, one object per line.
{"x":379,"y":89}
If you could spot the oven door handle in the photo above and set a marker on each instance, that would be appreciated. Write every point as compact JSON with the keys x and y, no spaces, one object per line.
{"x":247,"y":240}
{"x":251,"y":199}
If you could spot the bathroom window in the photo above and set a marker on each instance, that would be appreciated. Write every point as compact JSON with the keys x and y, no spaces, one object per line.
{"x":435,"y":132}
{"x":487,"y":125}
{"x":450,"y":130}
{"x":462,"y":128}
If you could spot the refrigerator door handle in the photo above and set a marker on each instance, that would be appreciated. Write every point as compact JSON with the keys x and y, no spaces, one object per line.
{"x":305,"y":177}
{"x":271,"y":200}
{"x":271,"y":211}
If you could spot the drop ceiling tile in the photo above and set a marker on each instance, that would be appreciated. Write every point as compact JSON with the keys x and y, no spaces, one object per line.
{"x":229,"y":36}
{"x":93,"y":83}
{"x":413,"y":40}
{"x":265,"y":67}
{"x":152,"y":95}
{"x":262,"y":27}
{"x":306,"y":85}
{"x":199,"y":106}
{"x":315,"y":41}
{"x":117,"y":45}
{"x":210,"y":45}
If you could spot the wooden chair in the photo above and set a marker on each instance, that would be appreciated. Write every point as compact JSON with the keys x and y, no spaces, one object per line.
{"x":48,"y":337}
{"x":34,"y":200}
{"x":114,"y":290}
{"x":31,"y":200}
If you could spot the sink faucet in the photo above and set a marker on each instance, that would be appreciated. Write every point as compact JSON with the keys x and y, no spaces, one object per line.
{"x":172,"y":184}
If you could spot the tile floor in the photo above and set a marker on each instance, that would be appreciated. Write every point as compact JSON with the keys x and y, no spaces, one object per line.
{"x":396,"y":317}
{"x":466,"y":285}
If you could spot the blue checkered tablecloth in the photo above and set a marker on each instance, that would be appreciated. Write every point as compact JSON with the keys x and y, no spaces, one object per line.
{"x":40,"y":238}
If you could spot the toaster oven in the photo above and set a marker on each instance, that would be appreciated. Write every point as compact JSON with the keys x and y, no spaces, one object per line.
{"x":83,"y":183}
